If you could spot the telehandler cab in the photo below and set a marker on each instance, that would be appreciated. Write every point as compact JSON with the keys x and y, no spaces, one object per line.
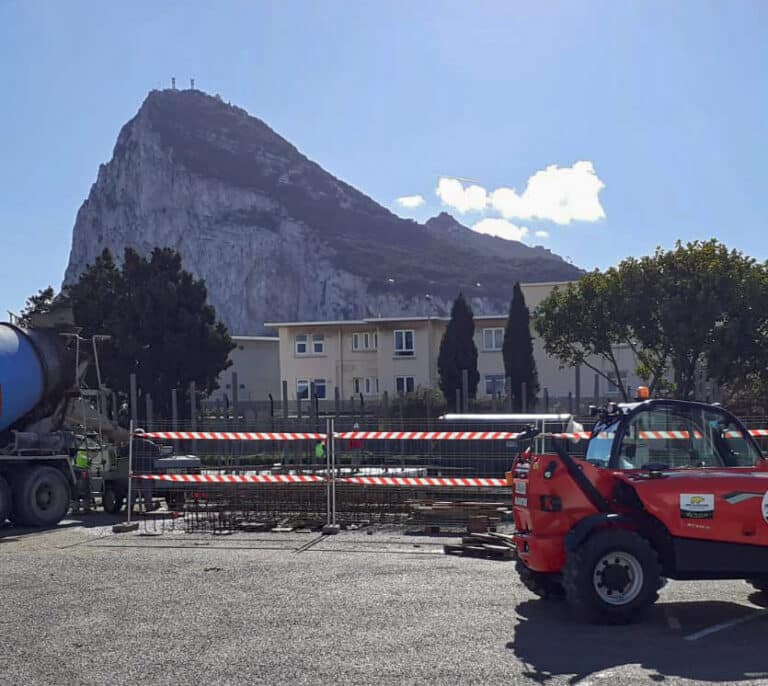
{"x":666,"y":489}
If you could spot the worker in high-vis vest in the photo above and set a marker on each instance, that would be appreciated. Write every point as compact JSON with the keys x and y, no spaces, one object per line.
{"x":81,"y":495}
{"x":320,"y":450}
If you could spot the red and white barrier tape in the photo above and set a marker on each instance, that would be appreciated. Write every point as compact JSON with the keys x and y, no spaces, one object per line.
{"x":229,"y":436}
{"x":406,"y":435}
{"x":429,"y":435}
{"x":301,"y":478}
{"x":232,"y":478}
{"x":422,"y":481}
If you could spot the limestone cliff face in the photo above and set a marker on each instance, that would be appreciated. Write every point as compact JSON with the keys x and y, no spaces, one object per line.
{"x":275,"y":237}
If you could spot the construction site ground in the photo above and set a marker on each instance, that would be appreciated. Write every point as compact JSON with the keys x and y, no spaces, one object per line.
{"x":81,"y":605}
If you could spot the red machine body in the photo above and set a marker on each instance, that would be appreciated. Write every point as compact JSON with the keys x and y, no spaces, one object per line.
{"x":683,"y":481}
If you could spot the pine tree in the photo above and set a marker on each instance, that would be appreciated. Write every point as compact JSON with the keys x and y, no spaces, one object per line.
{"x":517,"y":351}
{"x":458,"y":352}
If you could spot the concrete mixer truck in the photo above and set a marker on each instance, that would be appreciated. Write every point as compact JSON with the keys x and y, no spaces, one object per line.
{"x":38,"y":377}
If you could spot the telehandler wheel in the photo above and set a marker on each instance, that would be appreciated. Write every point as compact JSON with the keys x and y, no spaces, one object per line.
{"x":543,"y":585}
{"x":6,"y":504}
{"x":111,"y":502}
{"x":42,"y":498}
{"x":612,"y":577}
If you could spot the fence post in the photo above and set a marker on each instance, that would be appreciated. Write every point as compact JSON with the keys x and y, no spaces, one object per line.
{"x":285,"y":399}
{"x":570,"y":402}
{"x":129,"y":504}
{"x":524,"y":396}
{"x":175,"y":416}
{"x":312,"y":414}
{"x":332,"y":439}
{"x":546,"y":400}
{"x":235,"y":396}
{"x":150,"y":412}
{"x":327,"y":471}
{"x":508,"y":387}
{"x":458,"y":400}
{"x":134,"y":400}
{"x":577,"y":383}
{"x":336,"y":400}
{"x":193,"y":410}
{"x":465,"y":390}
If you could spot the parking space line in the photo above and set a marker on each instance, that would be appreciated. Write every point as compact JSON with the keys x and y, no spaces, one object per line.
{"x":724,"y":625}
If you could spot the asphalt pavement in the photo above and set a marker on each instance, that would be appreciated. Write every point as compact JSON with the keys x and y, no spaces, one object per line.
{"x":80,"y":605}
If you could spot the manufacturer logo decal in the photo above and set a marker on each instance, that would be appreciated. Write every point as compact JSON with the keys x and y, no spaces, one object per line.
{"x":697,"y":505}
{"x":522,"y":502}
{"x":521,"y":487}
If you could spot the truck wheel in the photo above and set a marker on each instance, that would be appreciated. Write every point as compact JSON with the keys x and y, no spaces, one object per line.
{"x":612,"y":577}
{"x":111,"y":502}
{"x":5,"y":499}
{"x":42,"y":498}
{"x":539,"y":583}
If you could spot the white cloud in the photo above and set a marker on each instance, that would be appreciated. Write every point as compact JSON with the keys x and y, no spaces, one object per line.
{"x":558,"y":194}
{"x":411,"y":201}
{"x":453,"y":193}
{"x":495,"y":226}
{"x":542,"y":234}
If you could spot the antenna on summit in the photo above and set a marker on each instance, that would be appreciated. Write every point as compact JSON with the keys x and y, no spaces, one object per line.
{"x":192,"y":84}
{"x":173,"y":82}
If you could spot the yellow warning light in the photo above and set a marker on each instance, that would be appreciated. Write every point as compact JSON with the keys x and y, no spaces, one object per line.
{"x":643,"y":393}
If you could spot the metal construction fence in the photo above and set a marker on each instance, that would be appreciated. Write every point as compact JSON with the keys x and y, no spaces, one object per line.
{"x":229,"y":477}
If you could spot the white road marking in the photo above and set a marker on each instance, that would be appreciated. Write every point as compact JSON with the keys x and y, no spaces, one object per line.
{"x":724,"y":625}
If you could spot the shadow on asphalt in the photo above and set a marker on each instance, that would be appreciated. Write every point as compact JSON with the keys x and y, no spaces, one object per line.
{"x":552,"y":643}
{"x":10,"y":532}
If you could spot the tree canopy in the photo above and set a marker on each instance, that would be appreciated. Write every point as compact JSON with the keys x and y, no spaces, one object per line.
{"x":458,"y":352}
{"x":36,"y":304}
{"x":160,"y":323}
{"x":696,"y":308}
{"x":517,"y":351}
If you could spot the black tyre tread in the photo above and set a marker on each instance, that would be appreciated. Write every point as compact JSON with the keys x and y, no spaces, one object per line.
{"x":538,"y":583}
{"x":23,"y":513}
{"x":578,"y":569}
{"x":117,"y":504}
{"x":6,"y":503}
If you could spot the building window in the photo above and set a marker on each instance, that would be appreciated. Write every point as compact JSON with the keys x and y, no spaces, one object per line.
{"x":302,"y":389}
{"x":613,"y":388}
{"x":367,"y":385}
{"x":318,"y":344}
{"x":494,"y":384}
{"x":404,"y":343}
{"x":493,"y":339}
{"x":320,"y":389}
{"x":301,"y":344}
{"x":364,"y":340}
{"x":404,"y":384}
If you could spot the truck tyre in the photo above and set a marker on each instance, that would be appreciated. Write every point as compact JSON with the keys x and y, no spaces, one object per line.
{"x":111,"y":501}
{"x":539,"y":583}
{"x":612,"y":577}
{"x":6,"y":503}
{"x":42,"y":498}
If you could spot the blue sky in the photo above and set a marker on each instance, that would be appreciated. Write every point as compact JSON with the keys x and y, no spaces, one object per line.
{"x":667,"y":102}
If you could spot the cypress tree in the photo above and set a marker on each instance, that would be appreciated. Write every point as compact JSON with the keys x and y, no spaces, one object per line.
{"x":458,"y":352}
{"x":517,"y":351}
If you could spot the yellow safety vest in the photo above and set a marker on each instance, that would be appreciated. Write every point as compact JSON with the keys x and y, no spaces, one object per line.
{"x":81,"y":459}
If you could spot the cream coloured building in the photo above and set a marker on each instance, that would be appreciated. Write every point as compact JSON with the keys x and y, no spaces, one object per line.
{"x":255,"y":371}
{"x":399,"y":355}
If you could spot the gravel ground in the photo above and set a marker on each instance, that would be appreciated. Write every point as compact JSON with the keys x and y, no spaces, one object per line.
{"x":82,"y":606}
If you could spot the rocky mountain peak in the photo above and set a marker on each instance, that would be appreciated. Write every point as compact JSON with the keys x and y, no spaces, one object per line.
{"x":274,"y":235}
